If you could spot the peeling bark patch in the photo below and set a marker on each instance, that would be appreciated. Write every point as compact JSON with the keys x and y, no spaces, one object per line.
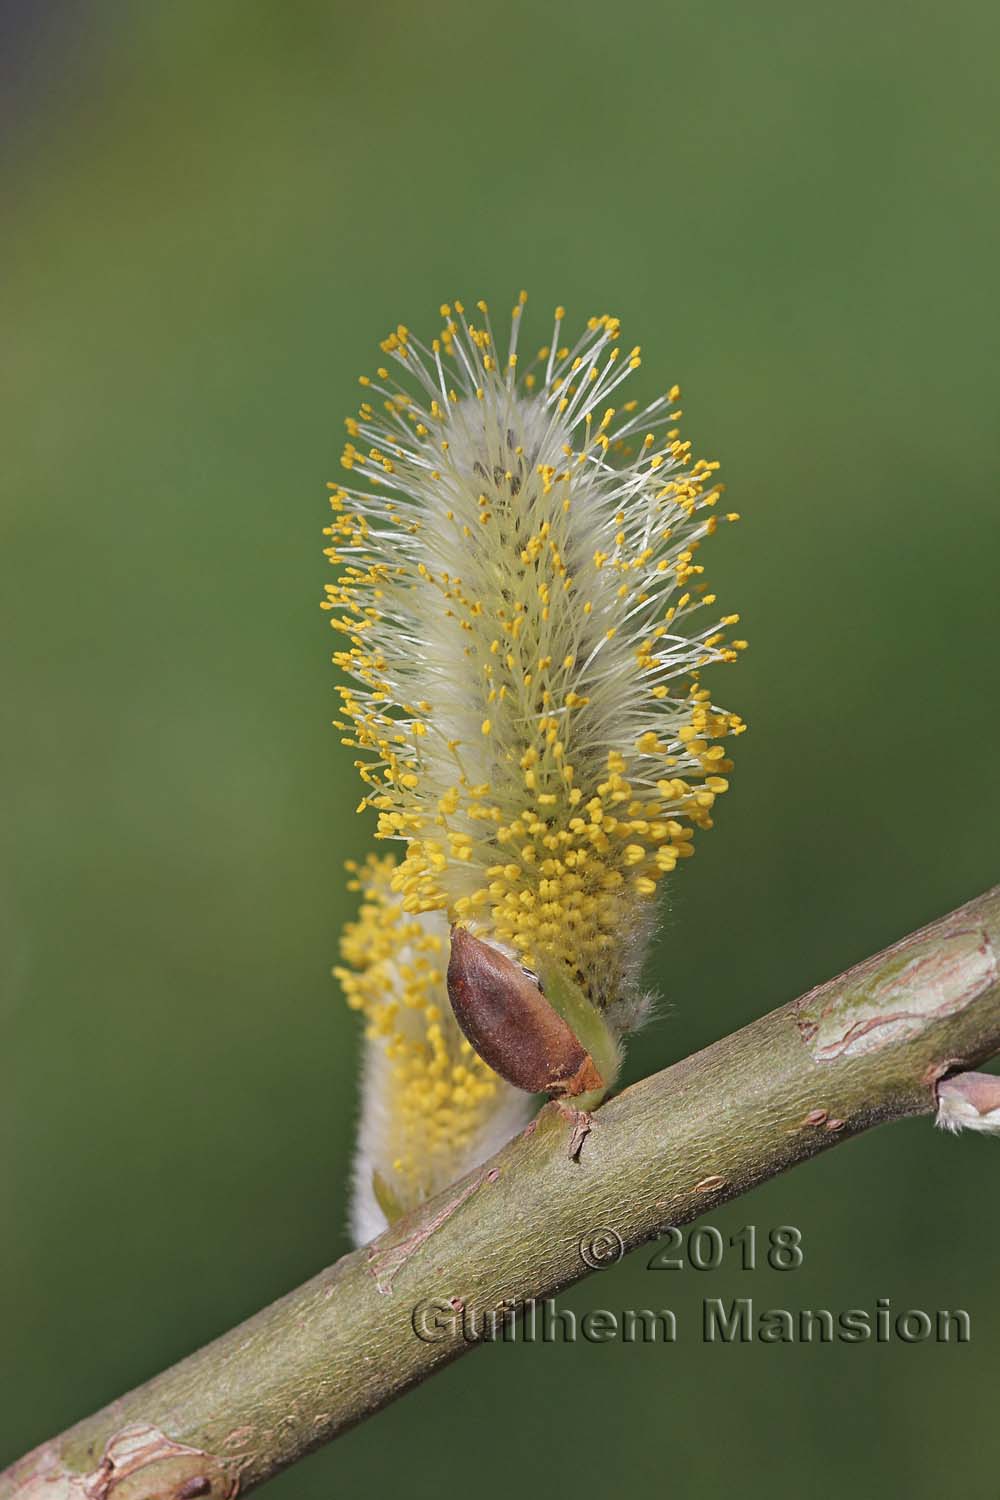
{"x":386,"y":1261}
{"x":238,"y":1437}
{"x":582,"y":1123}
{"x":168,"y":1469}
{"x":892,"y":999}
{"x":198,"y":1484}
{"x":42,"y":1473}
{"x":138,"y":1463}
{"x":709,"y":1184}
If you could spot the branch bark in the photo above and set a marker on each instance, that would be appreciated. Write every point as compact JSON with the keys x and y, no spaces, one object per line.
{"x":863,"y":1049}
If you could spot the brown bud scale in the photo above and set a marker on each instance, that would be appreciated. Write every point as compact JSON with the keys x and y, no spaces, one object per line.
{"x":511,"y":1025}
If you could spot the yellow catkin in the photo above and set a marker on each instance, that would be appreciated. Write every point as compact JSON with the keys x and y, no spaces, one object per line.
{"x":519,"y":587}
{"x":437,"y":1095}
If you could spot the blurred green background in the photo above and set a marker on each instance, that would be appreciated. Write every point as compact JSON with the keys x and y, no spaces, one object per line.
{"x":214,"y":211}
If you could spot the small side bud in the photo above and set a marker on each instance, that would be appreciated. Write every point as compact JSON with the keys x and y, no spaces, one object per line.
{"x":507,"y":1020}
{"x":969,"y":1101}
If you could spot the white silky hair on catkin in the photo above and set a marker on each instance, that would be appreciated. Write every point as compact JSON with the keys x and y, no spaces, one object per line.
{"x":512,"y":1112}
{"x":956,"y":1114}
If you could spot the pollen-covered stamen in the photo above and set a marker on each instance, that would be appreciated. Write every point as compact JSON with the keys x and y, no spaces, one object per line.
{"x":519,"y":591}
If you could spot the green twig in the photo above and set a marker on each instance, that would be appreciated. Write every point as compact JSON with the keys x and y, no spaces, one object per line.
{"x":866,"y":1048}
